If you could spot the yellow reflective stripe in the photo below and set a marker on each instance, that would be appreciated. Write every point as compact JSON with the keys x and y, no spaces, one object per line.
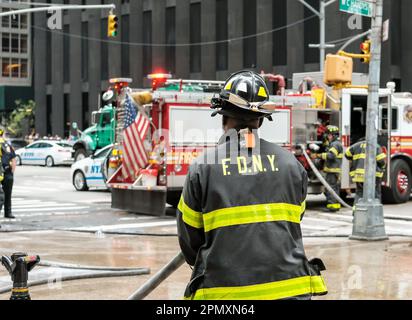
{"x":266,"y":291}
{"x":324,"y":156}
{"x":349,"y":154}
{"x":340,"y":156}
{"x":359,"y":156}
{"x":20,"y":290}
{"x":333,"y":206}
{"x":381,"y":157}
{"x":334,"y":151}
{"x":253,"y":214}
{"x":332,"y":170}
{"x":190,"y":217}
{"x":361,"y":172}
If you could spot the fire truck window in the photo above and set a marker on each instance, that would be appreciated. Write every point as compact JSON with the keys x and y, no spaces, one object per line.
{"x":106,"y":119}
{"x":384,"y":119}
{"x":358,"y":117}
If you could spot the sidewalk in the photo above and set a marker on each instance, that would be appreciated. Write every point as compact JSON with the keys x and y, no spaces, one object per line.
{"x":355,"y":270}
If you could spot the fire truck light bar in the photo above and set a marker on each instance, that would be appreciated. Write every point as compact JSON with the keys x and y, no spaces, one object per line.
{"x":120,"y":80}
{"x":154,"y":76}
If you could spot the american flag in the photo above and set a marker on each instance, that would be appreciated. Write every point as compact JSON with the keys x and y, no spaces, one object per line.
{"x":135,"y":130}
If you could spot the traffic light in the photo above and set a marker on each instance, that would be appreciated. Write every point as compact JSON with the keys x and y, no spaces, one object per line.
{"x":366,"y":50}
{"x":112,"y":25}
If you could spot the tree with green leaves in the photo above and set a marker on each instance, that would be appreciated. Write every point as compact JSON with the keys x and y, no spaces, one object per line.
{"x":21,"y":120}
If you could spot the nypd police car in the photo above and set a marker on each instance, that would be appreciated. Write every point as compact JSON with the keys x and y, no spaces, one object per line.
{"x":45,"y":152}
{"x":87,"y":173}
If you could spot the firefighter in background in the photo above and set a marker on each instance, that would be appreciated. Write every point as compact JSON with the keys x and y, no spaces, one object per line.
{"x":240,"y":211}
{"x":321,"y":128}
{"x":332,"y":168}
{"x":357,"y":155}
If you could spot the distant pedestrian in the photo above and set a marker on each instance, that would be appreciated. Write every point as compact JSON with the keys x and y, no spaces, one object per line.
{"x":8,"y":160}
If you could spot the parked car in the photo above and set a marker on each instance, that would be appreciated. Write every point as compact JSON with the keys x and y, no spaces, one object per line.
{"x":45,"y":152}
{"x":17,"y":143}
{"x":87,"y":173}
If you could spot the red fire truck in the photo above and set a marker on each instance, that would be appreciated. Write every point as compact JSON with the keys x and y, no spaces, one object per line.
{"x":182,"y":128}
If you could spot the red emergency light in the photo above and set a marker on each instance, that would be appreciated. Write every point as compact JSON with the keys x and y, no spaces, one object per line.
{"x":158,"y":79}
{"x":120,"y":83}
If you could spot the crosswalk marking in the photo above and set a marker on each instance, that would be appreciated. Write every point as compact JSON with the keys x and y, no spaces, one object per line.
{"x":42,"y":205}
{"x":127,"y":226}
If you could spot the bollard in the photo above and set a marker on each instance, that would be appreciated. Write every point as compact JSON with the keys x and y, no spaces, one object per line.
{"x":19,"y":265}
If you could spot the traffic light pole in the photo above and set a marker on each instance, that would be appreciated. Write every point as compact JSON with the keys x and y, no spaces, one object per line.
{"x":368,"y":221}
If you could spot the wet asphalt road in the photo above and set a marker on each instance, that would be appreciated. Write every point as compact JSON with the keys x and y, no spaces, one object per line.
{"x":63,"y":225}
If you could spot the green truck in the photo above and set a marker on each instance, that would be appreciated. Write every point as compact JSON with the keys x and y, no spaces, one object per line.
{"x":99,"y":135}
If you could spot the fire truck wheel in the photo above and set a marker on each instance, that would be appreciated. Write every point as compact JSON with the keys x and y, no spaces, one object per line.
{"x":401,"y":183}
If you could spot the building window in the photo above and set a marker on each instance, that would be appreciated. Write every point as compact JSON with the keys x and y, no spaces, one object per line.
{"x":49,"y":111}
{"x":23,"y":43}
{"x":47,"y":62}
{"x":125,"y":62}
{"x":104,"y":59}
{"x":195,"y":37}
{"x":171,"y":39}
{"x":221,"y":34}
{"x":147,"y":38}
{"x":23,"y":68}
{"x":280,"y":36}
{"x":66,"y":121}
{"x":66,"y":54}
{"x":15,"y":43}
{"x":311,"y":33}
{"x":15,"y":21}
{"x":23,"y":21}
{"x":85,"y":109}
{"x":85,"y":51}
{"x":5,"y":42}
{"x":249,"y":29}
{"x":5,"y":67}
{"x":6,"y":19}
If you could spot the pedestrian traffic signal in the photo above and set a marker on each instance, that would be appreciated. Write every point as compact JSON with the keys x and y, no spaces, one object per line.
{"x":112,"y":25}
{"x":366,"y":50}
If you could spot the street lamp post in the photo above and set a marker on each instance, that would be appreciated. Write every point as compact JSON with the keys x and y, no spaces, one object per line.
{"x":322,"y":32}
{"x":368,"y":221}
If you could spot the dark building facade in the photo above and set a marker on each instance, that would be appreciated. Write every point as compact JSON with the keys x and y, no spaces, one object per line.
{"x":208,"y":39}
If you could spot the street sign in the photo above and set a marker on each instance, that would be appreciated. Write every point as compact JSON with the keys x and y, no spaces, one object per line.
{"x":361,"y":7}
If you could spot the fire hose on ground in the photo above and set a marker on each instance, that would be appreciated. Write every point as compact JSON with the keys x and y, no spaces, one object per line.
{"x":20,"y":264}
{"x":323,"y":181}
{"x":158,"y":278}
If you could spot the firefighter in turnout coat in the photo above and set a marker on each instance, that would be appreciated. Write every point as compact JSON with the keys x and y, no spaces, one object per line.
{"x":333,"y":166}
{"x":241,"y":207}
{"x":357,"y":155}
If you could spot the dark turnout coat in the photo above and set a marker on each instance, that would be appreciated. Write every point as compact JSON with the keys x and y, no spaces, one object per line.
{"x":239,"y":226}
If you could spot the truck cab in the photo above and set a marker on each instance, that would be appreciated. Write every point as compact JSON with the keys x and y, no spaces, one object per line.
{"x":97,"y":136}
